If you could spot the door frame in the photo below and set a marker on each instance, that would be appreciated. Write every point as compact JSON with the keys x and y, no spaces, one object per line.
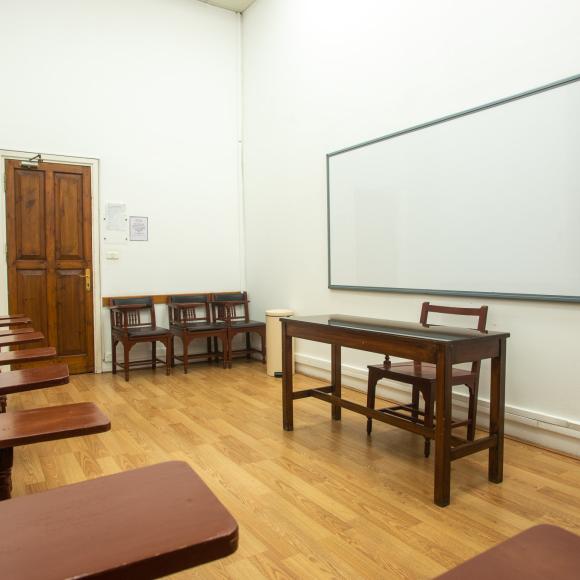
{"x":96,"y":238}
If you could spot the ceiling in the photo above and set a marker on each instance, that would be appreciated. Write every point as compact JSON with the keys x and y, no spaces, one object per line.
{"x":235,"y":5}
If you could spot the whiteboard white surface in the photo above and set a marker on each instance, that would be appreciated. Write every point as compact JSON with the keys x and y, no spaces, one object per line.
{"x":486,"y":202}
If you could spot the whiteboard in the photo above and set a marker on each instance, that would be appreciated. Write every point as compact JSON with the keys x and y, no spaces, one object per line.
{"x":485,"y":202}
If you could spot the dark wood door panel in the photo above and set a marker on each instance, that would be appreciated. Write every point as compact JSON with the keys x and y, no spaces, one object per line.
{"x":68,"y":198}
{"x":50,"y":253}
{"x":71,"y":308}
{"x":30,"y":215}
{"x":32,"y":298}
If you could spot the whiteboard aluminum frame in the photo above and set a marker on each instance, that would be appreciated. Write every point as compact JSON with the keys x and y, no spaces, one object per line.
{"x":429,"y":291}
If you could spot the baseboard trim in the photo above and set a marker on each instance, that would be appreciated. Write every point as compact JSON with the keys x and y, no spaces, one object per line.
{"x":539,"y":429}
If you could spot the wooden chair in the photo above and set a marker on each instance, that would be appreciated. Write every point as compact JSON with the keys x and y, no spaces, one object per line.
{"x":423,"y":380}
{"x":233,"y":309}
{"x":129,"y":328}
{"x":190,"y":319}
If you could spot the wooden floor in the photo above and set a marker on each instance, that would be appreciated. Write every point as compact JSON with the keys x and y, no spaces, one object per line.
{"x":323,"y":501}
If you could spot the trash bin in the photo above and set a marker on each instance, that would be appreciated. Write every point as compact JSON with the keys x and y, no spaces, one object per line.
{"x":274,"y":340}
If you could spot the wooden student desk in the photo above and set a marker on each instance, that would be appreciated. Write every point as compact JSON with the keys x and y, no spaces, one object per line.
{"x":141,"y":524}
{"x":441,"y":345}
{"x":22,"y":338}
{"x":15,"y":321}
{"x":541,"y":552}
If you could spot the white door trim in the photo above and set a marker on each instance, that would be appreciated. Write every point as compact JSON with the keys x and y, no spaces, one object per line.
{"x":71,"y":160}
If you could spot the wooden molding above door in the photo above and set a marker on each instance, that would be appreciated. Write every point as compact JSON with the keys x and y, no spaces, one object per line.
{"x":49,"y":254}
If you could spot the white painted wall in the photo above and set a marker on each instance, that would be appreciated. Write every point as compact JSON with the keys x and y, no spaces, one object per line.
{"x":151,"y":89}
{"x":321,"y":75}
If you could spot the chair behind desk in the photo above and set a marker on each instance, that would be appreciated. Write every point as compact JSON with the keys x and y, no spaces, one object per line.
{"x":422,"y":378}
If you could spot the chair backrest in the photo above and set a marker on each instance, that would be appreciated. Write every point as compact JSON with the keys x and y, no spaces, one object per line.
{"x":131,"y":310}
{"x":479,"y":313}
{"x":185,"y":308}
{"x":230,"y":306}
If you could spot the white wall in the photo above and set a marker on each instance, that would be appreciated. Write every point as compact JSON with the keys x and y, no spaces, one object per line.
{"x":321,"y":75}
{"x":151,"y":88}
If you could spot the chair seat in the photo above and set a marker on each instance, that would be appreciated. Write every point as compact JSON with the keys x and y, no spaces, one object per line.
{"x":408,"y":372}
{"x":244,"y":324}
{"x":143,"y":331}
{"x":199,"y":326}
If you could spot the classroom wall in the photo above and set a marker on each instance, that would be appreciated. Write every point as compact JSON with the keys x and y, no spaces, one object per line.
{"x":319,"y":76}
{"x":152,"y":89}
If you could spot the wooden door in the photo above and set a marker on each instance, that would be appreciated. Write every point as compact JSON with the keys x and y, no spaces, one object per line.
{"x":49,"y":237}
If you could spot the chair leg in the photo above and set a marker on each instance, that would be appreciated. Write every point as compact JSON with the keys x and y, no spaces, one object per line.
{"x":168,"y":354}
{"x":371,"y":393}
{"x":114,"y":353}
{"x":429,"y":414}
{"x":228,"y":349}
{"x":225,"y":351}
{"x":126,"y":351}
{"x":415,"y":403}
{"x":209,"y":350}
{"x":248,"y":345}
{"x":472,"y":413}
{"x":263,"y":338}
{"x":185,"y":342}
{"x":216,"y":349}
{"x":154,"y":354}
{"x":172,"y":351}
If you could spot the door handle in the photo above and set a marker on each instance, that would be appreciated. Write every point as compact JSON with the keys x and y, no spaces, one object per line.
{"x":87,"y":277}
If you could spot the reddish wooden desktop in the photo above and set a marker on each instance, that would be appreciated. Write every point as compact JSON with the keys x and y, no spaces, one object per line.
{"x":441,"y":345}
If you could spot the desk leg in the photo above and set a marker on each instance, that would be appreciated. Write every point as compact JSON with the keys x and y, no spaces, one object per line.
{"x":443,"y":429}
{"x":6,"y":461}
{"x":497,"y":413}
{"x":287,"y":382}
{"x":336,"y":379}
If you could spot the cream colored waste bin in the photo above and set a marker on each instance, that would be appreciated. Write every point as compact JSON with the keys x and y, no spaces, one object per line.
{"x":274,"y":340}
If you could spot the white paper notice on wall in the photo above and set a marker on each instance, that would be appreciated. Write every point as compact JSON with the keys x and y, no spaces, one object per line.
{"x":138,"y":228}
{"x":116,"y":223}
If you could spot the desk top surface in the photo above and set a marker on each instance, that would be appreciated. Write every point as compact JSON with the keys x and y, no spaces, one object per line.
{"x":21,"y":338}
{"x":143,"y":523}
{"x":540,"y":552}
{"x":14,"y":321}
{"x":431,"y":332}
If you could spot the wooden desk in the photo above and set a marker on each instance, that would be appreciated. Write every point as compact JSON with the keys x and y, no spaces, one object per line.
{"x":15,"y":321}
{"x":25,"y":338}
{"x":441,"y":345}
{"x":537,"y":554}
{"x":33,"y":378}
{"x":44,"y":424}
{"x":13,"y":331}
{"x":27,"y":355}
{"x":144,"y":523}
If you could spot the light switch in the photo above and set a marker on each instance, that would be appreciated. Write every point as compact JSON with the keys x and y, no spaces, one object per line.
{"x":112,"y":255}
